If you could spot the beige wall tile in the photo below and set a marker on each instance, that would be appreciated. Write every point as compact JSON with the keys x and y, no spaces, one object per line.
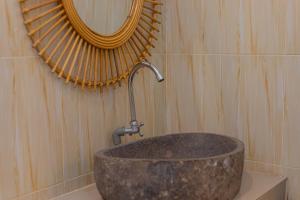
{"x":231,"y":69}
{"x":260,"y":27}
{"x":202,"y":95}
{"x":291,"y":128}
{"x":192,"y":26}
{"x":260,"y":105}
{"x":235,"y":26}
{"x":241,"y":96}
{"x":270,"y":97}
{"x":266,"y":168}
{"x":51,"y":130}
{"x":32,"y":148}
{"x":193,"y":91}
{"x":13,"y":37}
{"x":253,"y":98}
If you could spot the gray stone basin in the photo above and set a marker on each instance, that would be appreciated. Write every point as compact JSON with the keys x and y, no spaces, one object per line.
{"x":187,"y":166}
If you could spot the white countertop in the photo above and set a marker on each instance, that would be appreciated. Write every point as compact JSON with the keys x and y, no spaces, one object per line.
{"x":254,"y":186}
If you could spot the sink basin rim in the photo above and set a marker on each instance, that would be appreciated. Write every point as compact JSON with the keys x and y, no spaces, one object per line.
{"x":239,"y":147}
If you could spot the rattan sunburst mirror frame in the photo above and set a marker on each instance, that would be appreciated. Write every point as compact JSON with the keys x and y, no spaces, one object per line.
{"x":78,"y":54}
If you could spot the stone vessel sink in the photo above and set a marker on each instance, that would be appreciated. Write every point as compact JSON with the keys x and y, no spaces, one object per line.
{"x":187,"y":166}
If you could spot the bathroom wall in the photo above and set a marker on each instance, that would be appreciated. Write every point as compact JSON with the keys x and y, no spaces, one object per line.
{"x":49,"y":131}
{"x":233,"y":67}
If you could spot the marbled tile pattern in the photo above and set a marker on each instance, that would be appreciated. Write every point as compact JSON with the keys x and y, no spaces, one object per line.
{"x":49,"y":131}
{"x":233,"y":26}
{"x":13,"y":37}
{"x":233,"y":67}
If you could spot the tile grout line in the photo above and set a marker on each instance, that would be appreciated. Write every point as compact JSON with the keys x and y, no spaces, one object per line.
{"x":37,"y":56}
{"x":224,"y":54}
{"x":279,"y":166}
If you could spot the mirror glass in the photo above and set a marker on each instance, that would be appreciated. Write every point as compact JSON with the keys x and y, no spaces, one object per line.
{"x":104,"y":17}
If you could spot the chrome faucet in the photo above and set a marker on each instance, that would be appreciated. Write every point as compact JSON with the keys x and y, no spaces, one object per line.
{"x":134,"y":124}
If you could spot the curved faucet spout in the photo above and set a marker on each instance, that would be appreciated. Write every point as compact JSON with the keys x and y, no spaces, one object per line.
{"x":134,"y":124}
{"x":135,"y":69}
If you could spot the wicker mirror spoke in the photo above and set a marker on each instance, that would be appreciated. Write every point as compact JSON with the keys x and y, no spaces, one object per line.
{"x":85,"y":58}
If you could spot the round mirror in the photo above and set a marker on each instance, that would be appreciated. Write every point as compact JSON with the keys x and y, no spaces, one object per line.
{"x":92,"y":43}
{"x":105,"y":17}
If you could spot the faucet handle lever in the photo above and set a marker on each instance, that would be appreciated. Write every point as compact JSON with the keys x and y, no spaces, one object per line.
{"x":142,"y":124}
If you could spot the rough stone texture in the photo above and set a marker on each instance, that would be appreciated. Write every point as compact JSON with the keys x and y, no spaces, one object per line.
{"x":189,"y":166}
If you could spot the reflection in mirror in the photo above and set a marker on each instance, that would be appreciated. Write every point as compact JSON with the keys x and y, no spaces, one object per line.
{"x":104,"y":17}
